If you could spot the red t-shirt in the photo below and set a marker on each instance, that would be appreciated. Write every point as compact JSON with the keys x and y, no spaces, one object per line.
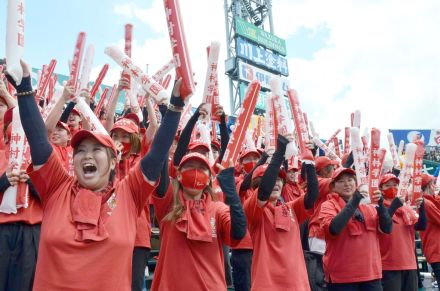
{"x":354,"y":254}
{"x":33,"y":214}
{"x":291,"y":192}
{"x":397,"y":248}
{"x":67,"y":264}
{"x":315,"y":229}
{"x":430,"y":237}
{"x":186,"y":264}
{"x":277,"y":261}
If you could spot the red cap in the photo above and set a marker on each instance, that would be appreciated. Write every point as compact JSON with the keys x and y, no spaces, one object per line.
{"x":133,"y":116}
{"x":339,"y":171}
{"x":322,"y":162}
{"x":102,"y":138}
{"x":63,"y":126}
{"x":294,"y":164}
{"x":7,"y":118}
{"x":126,"y":125}
{"x":248,"y":152}
{"x":195,"y":156}
{"x":388,"y":177}
{"x":426,"y":178}
{"x":259,"y":172}
{"x":216,"y":144}
{"x":198,"y":143}
{"x":76,"y":112}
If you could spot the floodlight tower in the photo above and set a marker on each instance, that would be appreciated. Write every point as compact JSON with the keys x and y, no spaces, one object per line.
{"x":256,"y":12}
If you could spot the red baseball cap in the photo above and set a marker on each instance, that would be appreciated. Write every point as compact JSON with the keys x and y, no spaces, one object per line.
{"x":75,"y":112}
{"x":388,"y":177}
{"x":126,"y":125}
{"x":426,"y":178}
{"x":246,"y":152}
{"x":198,"y":143}
{"x":259,"y":172}
{"x":63,"y":126}
{"x":339,"y":171}
{"x":133,"y":116}
{"x":102,"y":138}
{"x":196,"y":156}
{"x":216,"y":144}
{"x":7,"y":118}
{"x":323,"y":161}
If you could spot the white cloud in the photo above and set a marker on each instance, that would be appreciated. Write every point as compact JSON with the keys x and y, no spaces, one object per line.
{"x":385,"y":52}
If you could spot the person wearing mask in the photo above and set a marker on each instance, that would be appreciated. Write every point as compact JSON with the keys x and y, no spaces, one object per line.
{"x":352,"y":258}
{"x":274,"y":226}
{"x":399,"y":264}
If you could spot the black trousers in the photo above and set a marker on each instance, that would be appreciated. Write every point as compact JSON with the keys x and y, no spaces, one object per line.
{"x":241,"y":262}
{"x":436,"y":270}
{"x":374,"y":285}
{"x":139,"y":263}
{"x":18,"y":255}
{"x":405,"y":280}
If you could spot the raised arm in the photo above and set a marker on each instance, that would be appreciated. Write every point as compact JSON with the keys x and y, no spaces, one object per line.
{"x":238,"y":219}
{"x":270,"y":175}
{"x":153,"y":161}
{"x":111,"y":107}
{"x":33,"y":124}
{"x":55,"y":115}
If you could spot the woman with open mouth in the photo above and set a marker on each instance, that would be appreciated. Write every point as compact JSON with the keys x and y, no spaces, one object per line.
{"x":89,"y":220}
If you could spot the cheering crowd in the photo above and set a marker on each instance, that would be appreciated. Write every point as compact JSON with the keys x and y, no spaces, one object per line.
{"x":290,"y":224}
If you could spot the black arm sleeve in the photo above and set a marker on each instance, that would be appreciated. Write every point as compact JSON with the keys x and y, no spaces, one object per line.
{"x":65,"y":116}
{"x":385,"y":221}
{"x":33,"y":124}
{"x":395,"y":204}
{"x":341,"y":219}
{"x":4,"y":183}
{"x":270,"y":175}
{"x":153,"y":161}
{"x":224,"y":136}
{"x":162,"y":109}
{"x":185,"y":137}
{"x":396,"y":172}
{"x":162,"y":188}
{"x":246,"y":184}
{"x":423,"y":220}
{"x":238,"y":219}
{"x":312,"y":186}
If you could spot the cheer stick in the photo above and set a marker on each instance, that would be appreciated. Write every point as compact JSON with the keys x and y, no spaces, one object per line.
{"x":417,"y":172}
{"x":405,"y":173}
{"x":15,"y":39}
{"x":337,"y":147}
{"x":16,"y":159}
{"x":86,"y":68}
{"x":270,"y":123}
{"x":400,"y":148}
{"x":179,"y":48}
{"x":77,"y":57}
{"x":101,"y":102}
{"x":148,"y":84}
{"x":89,"y":116}
{"x":98,"y":82}
{"x":394,"y":155}
{"x":375,"y":163}
{"x":211,"y":77}
{"x":327,"y":142}
{"x":300,"y":126}
{"x":46,"y":74}
{"x":347,"y":140}
{"x":243,"y":118}
{"x":361,"y":174}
